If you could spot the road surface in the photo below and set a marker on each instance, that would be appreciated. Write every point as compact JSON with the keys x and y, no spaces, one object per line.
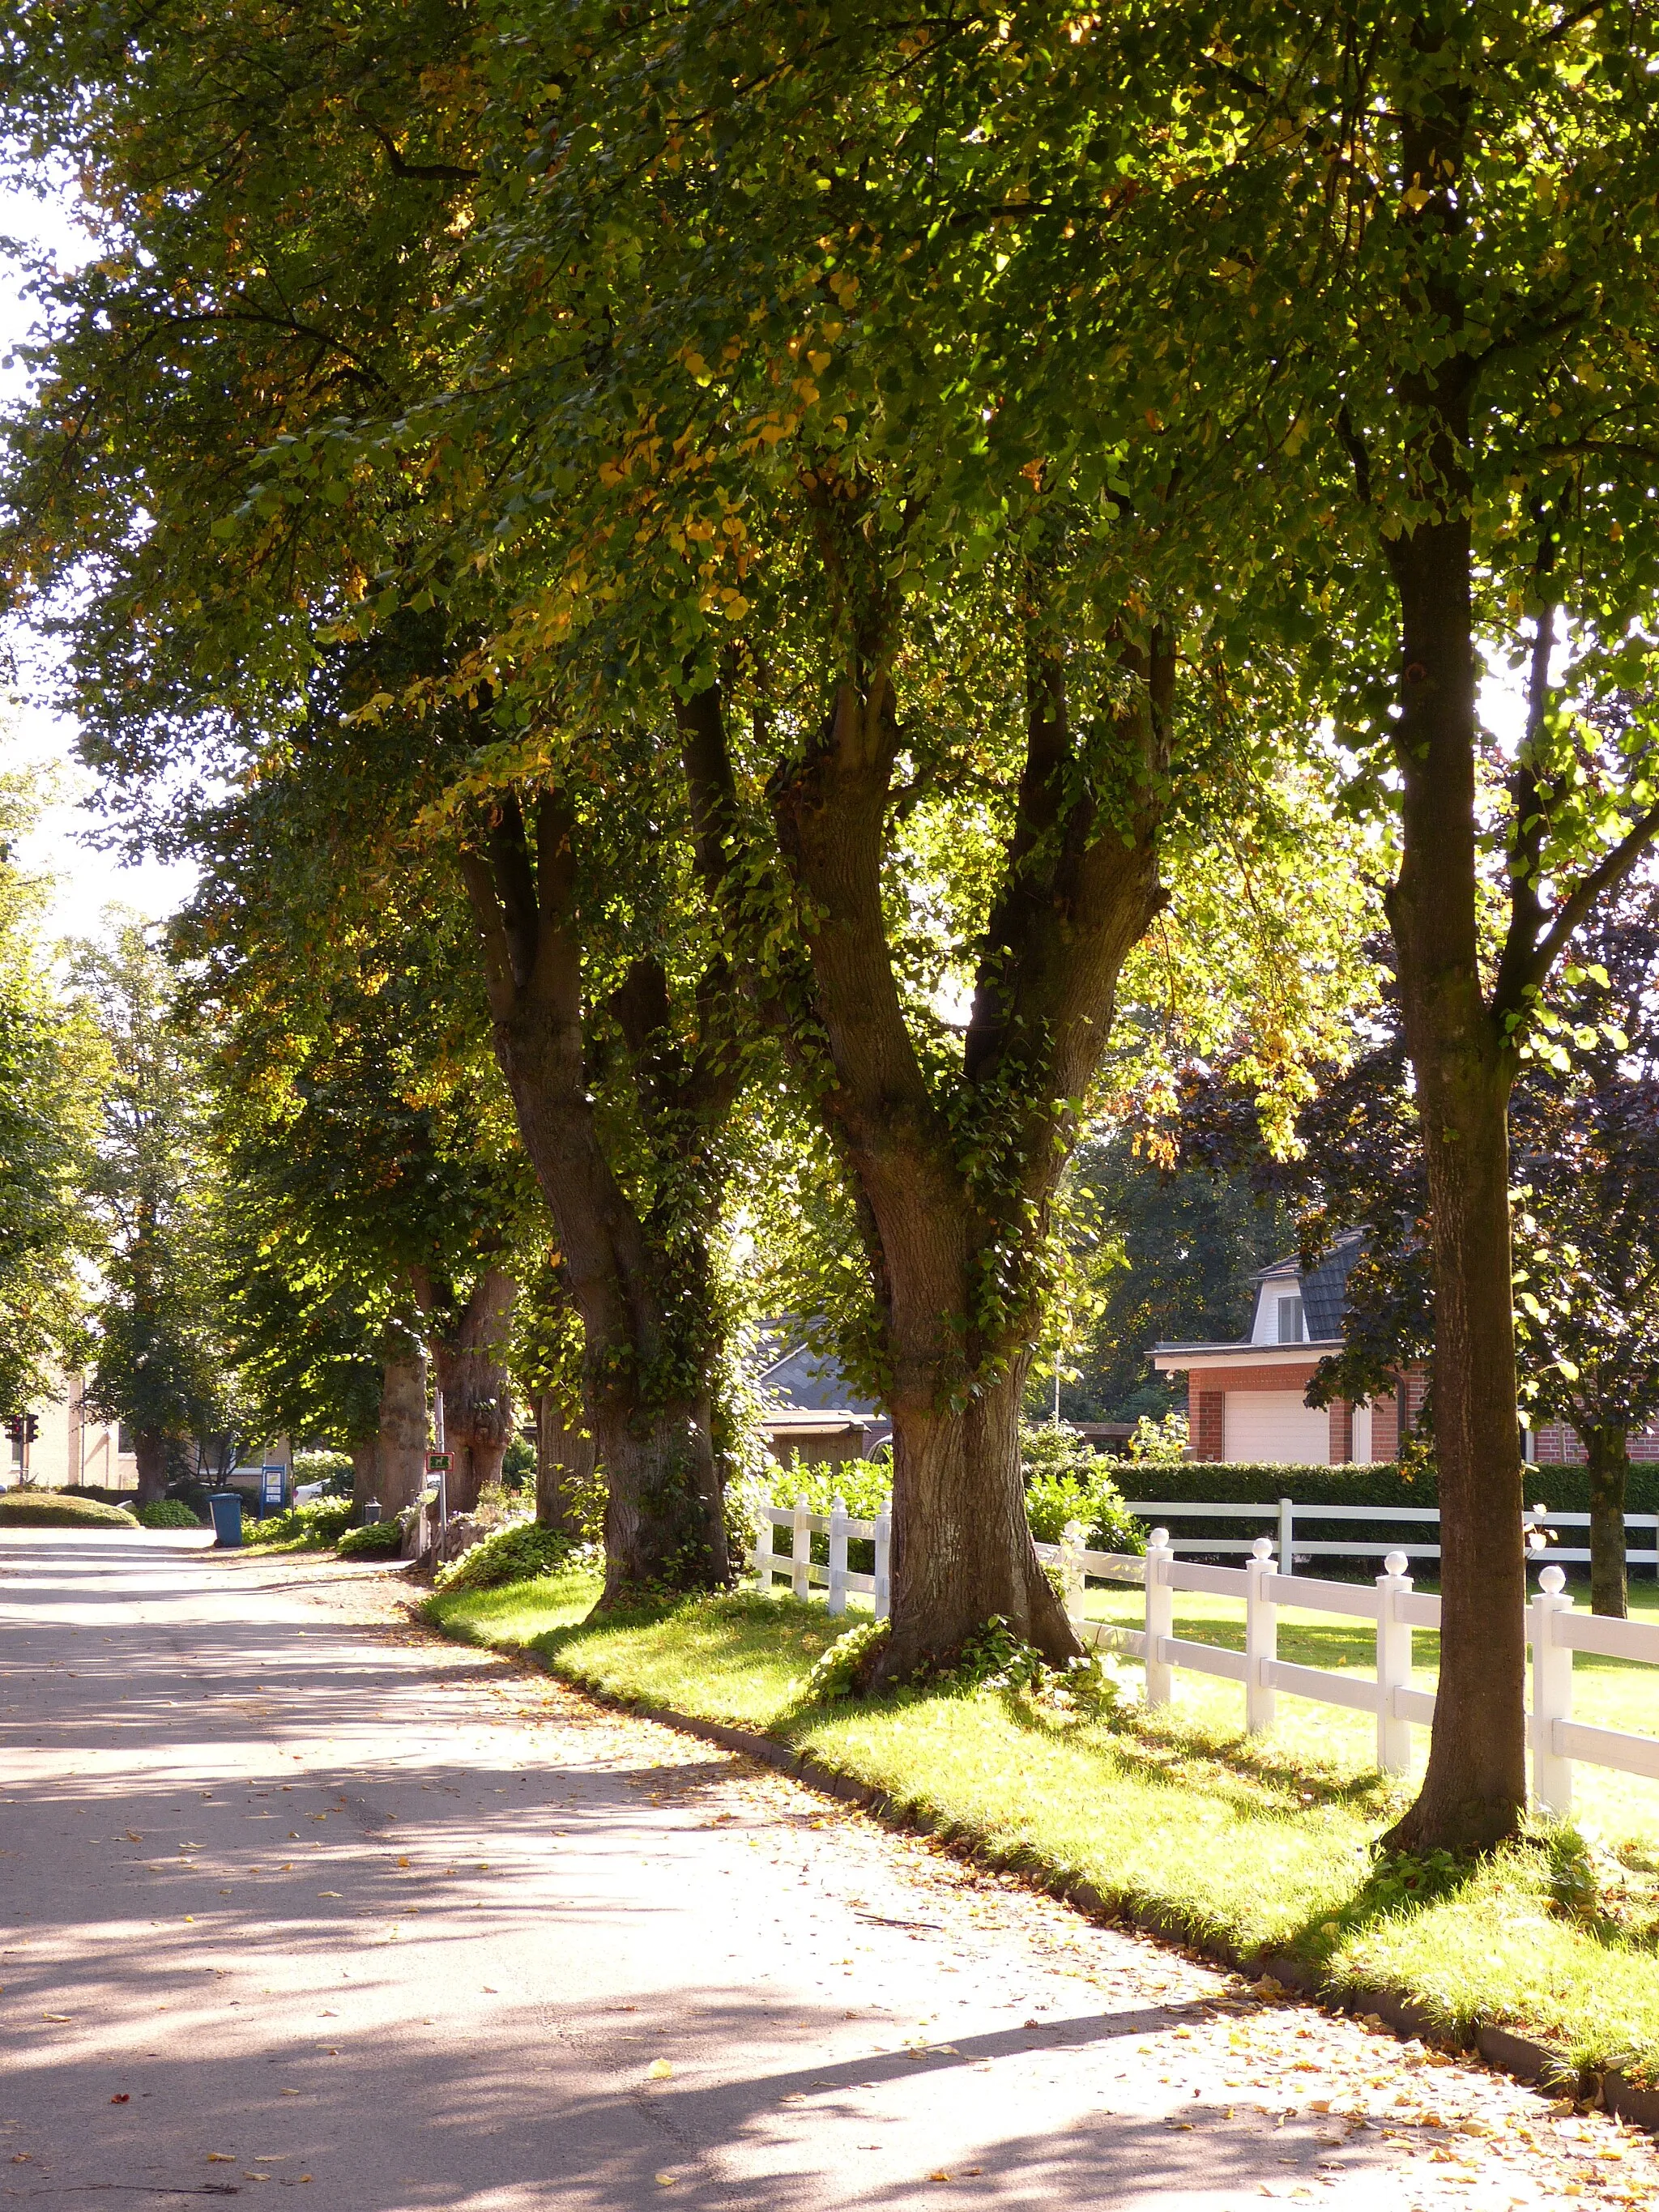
{"x":297,"y":1897}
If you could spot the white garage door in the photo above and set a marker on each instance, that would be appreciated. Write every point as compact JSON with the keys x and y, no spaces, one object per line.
{"x":1275,"y":1425}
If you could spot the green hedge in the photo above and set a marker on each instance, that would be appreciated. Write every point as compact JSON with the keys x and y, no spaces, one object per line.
{"x":1562,"y":1489}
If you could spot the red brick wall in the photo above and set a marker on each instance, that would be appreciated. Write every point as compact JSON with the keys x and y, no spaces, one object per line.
{"x":1205,"y":1409}
{"x":1341,"y":1415}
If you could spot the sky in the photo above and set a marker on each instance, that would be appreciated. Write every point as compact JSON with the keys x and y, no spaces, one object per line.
{"x":83,"y":880}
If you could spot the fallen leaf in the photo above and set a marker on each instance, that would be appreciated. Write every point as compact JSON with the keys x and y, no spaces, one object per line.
{"x":403,"y":1862}
{"x":58,"y":2016}
{"x":133,"y":1837}
{"x":290,"y":2093}
{"x":658,"y":2070}
{"x":328,"y":1892}
{"x":222,"y":2158}
{"x":663,"y":2180}
{"x":940,"y":2176}
{"x":123,"y":2097}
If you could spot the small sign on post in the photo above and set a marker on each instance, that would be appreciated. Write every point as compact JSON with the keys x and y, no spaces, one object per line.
{"x":273,"y":1488}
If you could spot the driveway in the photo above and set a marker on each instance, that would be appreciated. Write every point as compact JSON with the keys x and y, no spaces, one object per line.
{"x":298,"y":1897}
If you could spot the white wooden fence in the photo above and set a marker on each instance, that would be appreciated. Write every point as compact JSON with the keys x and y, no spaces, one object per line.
{"x":1555,"y":1630}
{"x":1283,"y":1517}
{"x":804,"y":1571}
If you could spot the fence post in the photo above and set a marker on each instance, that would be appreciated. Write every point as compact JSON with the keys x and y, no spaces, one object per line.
{"x":800,"y":1545}
{"x":884,"y":1559}
{"x":1552,"y":1696}
{"x":1286,"y":1537}
{"x":838,"y":1554}
{"x":1072,"y":1548}
{"x":1260,"y":1636}
{"x":1160,"y":1619}
{"x":1394,"y":1667}
{"x":763,"y":1553}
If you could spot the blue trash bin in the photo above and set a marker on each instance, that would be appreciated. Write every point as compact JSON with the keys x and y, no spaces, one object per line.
{"x":226,"y":1507}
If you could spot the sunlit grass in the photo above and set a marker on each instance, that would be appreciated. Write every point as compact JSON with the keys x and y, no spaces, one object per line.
{"x":1261,"y":1846}
{"x":1613,"y":1694}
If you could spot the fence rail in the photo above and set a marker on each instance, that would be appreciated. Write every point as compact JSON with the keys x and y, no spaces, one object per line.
{"x":1285,"y":1513}
{"x":1555,"y":1631}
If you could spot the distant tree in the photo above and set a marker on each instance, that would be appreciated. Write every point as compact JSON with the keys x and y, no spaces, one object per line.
{"x":51,"y":1072}
{"x":160,"y":1364}
{"x":1185,"y":1242}
{"x":1584,"y":1162}
{"x":1585,"y":1159}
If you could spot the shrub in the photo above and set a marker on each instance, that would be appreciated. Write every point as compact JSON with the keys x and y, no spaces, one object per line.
{"x":375,"y":1539}
{"x":862,"y":1484}
{"x":322,"y":1522}
{"x":837,"y":1671}
{"x":59,"y":1509}
{"x":167,"y":1513}
{"x":516,"y":1553}
{"x":1065,"y":1480}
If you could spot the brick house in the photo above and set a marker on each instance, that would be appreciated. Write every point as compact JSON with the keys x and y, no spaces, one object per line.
{"x":1245,"y":1401}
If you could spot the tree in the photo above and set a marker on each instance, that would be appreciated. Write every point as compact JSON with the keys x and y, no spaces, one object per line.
{"x":1585,"y":1157}
{"x":160,"y":1364}
{"x":51,"y":1070}
{"x":1586,"y":1160}
{"x":311,"y":278}
{"x":778,"y":442}
{"x":1186,"y":1242}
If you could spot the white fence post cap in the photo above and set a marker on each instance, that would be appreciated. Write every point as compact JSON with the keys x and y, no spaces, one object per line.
{"x":1262,"y":1548}
{"x":1396,"y":1563}
{"x":1552,"y":1579}
{"x":1159,"y":1540}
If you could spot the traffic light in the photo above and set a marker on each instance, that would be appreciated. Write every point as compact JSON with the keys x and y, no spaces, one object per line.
{"x":14,"y":1428}
{"x":31,"y":1428}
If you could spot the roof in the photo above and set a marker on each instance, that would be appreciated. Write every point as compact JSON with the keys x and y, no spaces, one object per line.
{"x":1324,"y":1299}
{"x":795,"y":1378}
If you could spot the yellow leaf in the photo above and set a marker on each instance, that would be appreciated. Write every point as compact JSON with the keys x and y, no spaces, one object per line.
{"x":658,"y":2070}
{"x":222,"y":2158}
{"x":328,"y":1892}
{"x":403,"y":1862}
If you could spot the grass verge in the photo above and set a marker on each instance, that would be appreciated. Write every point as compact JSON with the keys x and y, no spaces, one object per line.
{"x":1242,"y":1845}
{"x":52,"y":1509}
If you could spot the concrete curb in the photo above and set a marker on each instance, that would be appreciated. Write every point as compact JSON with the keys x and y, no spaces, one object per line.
{"x":1538,"y":2065}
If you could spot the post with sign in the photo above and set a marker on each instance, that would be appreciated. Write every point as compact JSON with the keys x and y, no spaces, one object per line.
{"x":273,"y":1488}
{"x":437,"y":1466}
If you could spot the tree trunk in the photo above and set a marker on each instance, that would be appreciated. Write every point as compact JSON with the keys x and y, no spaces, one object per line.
{"x":365,"y":1473}
{"x":642,"y":1302}
{"x":954,"y":1192}
{"x":150,"y":1450}
{"x":1607,"y":1451}
{"x":1474,"y":1790}
{"x":400,"y":1448}
{"x":469,"y":1366}
{"x":963,"y":1549}
{"x":565,"y":1460}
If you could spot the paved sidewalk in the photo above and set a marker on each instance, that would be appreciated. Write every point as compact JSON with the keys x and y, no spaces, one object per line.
{"x":297,"y":1897}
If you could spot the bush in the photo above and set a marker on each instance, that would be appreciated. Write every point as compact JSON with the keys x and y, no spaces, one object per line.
{"x":167,"y":1513}
{"x":1067,"y":1479}
{"x":516,"y":1553}
{"x":324,"y":1521}
{"x":375,"y":1539}
{"x":519,"y":1462}
{"x":60,"y":1509}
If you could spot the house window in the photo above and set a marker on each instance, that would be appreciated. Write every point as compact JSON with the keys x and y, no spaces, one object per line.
{"x":1289,"y":1321}
{"x":123,"y":1439}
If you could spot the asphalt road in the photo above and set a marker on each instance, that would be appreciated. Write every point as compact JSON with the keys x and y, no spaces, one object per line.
{"x":297,"y":1897}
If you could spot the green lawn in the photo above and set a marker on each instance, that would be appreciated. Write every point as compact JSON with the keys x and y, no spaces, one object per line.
{"x":1262,"y":1845}
{"x":1612,"y":1693}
